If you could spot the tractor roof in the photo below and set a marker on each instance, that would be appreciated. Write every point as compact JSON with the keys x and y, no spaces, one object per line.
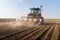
{"x":35,"y":8}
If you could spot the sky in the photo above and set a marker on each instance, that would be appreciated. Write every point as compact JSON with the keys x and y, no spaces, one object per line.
{"x":18,"y":8}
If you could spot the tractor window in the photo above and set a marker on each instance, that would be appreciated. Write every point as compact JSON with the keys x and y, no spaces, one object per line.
{"x":35,"y":10}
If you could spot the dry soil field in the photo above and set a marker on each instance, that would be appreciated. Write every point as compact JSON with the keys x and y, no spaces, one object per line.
{"x":16,"y":30}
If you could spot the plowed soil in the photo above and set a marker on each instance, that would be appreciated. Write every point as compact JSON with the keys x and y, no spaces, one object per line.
{"x":29,"y":31}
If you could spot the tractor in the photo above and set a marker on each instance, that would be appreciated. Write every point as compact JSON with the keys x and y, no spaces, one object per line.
{"x":35,"y":15}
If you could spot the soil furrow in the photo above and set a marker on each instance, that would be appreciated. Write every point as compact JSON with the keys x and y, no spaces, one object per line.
{"x":55,"y":35}
{"x":32,"y":34}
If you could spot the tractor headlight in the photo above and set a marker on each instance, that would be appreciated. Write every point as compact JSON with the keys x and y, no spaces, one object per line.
{"x":40,"y":20}
{"x":35,"y":20}
{"x":30,"y":19}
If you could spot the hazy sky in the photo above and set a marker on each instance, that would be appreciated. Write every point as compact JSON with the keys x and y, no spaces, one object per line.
{"x":18,"y":8}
